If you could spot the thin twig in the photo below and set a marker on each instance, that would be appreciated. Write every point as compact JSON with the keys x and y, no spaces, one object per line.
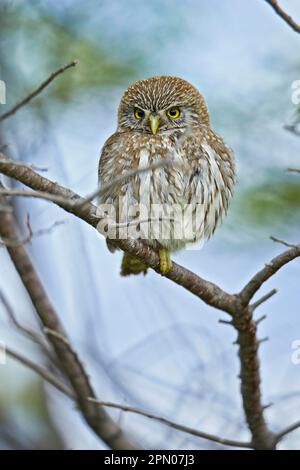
{"x":260,"y":319}
{"x":36,"y":194}
{"x":44,"y":373}
{"x":263,"y":340}
{"x":287,"y":18}
{"x":59,"y":336}
{"x":52,"y":379}
{"x":263,"y":299}
{"x":283,"y":242}
{"x":38,"y":339}
{"x":268,"y":271}
{"x":37,"y":91}
{"x":280,"y":435}
{"x":173,"y":424}
{"x":225,"y":322}
{"x":32,"y":234}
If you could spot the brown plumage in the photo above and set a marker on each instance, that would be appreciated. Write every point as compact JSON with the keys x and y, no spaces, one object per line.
{"x":165,"y":119}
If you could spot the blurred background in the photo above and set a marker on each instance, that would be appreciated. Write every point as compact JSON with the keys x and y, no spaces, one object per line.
{"x":145,"y":341}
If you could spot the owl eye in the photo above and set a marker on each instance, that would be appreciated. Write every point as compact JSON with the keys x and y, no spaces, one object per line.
{"x":138,"y":114}
{"x":173,"y":113}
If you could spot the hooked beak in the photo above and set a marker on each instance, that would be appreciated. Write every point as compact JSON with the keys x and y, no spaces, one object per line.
{"x":154,"y":123}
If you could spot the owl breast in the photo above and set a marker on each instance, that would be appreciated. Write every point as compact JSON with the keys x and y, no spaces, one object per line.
{"x":177,"y":203}
{"x":184,"y":200}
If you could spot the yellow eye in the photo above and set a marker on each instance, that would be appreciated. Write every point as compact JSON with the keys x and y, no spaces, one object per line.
{"x":173,"y":113}
{"x":138,"y":114}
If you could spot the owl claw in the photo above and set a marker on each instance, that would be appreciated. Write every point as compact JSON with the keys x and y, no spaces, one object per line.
{"x":164,"y":260}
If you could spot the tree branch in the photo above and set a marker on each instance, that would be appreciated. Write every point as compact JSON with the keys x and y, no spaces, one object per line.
{"x":288,"y":430}
{"x":173,"y":424}
{"x":44,"y":373}
{"x":52,"y":379}
{"x":37,"y":91}
{"x":236,"y":305}
{"x":283,"y":242}
{"x":32,"y":234}
{"x":97,"y":418}
{"x":262,"y":437}
{"x":287,"y":18}
{"x":80,"y":207}
{"x":263,"y":299}
{"x":268,"y":271}
{"x":35,"y":337}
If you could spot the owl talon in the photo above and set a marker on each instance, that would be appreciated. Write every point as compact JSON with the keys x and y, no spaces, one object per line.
{"x":164,"y":260}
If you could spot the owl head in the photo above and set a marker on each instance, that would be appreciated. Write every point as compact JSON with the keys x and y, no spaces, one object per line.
{"x":160,"y":104}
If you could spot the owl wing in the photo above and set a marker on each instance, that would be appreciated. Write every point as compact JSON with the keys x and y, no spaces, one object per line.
{"x":211,"y":176}
{"x":107,"y":171}
{"x":109,"y":163}
{"x":211,"y":161}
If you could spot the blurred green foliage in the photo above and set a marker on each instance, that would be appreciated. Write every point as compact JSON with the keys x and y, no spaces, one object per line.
{"x":271,"y":202}
{"x":51,"y":44}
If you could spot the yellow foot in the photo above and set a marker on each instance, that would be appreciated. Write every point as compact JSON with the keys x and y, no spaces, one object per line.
{"x":165,"y":260}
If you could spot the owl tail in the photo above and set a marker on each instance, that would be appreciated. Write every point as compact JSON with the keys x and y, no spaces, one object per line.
{"x":132,"y":265}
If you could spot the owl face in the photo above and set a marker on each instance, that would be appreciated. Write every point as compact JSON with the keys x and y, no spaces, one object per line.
{"x":161,"y":104}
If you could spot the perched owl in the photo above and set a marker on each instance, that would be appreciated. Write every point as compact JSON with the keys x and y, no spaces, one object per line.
{"x":178,"y":173}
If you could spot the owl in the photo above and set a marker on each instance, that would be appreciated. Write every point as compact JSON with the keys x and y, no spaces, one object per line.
{"x":167,"y":177}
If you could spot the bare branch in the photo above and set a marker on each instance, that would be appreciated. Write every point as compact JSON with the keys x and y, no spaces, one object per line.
{"x":294,"y":170}
{"x":226,"y":322}
{"x":259,"y":320}
{"x":37,"y":91}
{"x":38,"y":339}
{"x":73,"y":369}
{"x":32,"y":234}
{"x":44,"y":373}
{"x":288,"y":430}
{"x":37,"y":195}
{"x":262,"y":437}
{"x":283,"y":242}
{"x":263,"y":340}
{"x":173,"y":424}
{"x":287,"y":18}
{"x":268,"y":271}
{"x":70,"y":201}
{"x":60,"y":337}
{"x":52,"y":379}
{"x":263,"y":299}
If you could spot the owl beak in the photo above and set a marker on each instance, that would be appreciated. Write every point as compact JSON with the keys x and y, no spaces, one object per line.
{"x":154,"y":123}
